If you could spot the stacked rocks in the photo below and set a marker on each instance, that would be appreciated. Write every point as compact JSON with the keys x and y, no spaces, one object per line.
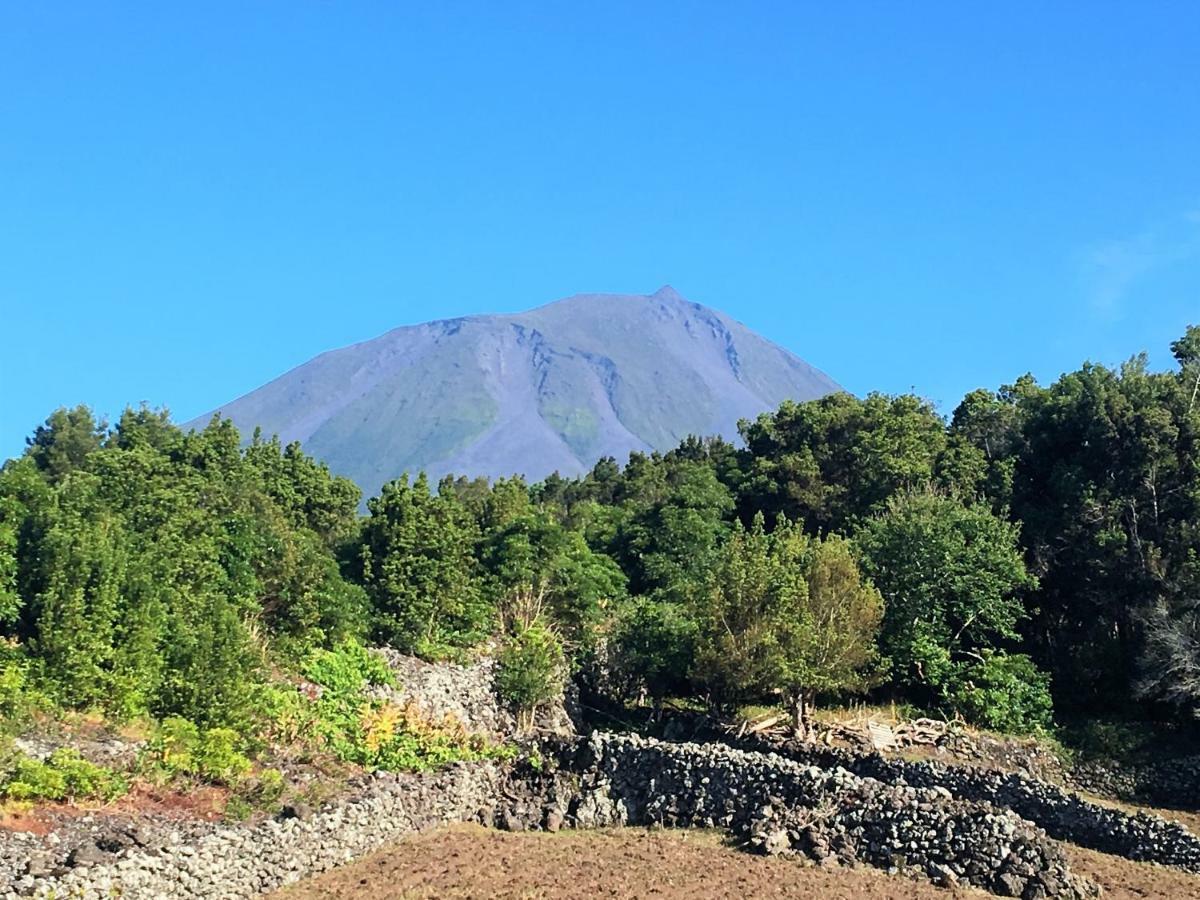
{"x":1173,"y":783}
{"x":1059,"y":812}
{"x":241,"y":861}
{"x":463,"y":692}
{"x":830,"y":816}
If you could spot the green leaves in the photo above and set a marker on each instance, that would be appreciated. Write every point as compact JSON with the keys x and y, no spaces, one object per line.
{"x":149,"y":571}
{"x":952,"y":575}
{"x":785,"y":613}
{"x":418,"y":566}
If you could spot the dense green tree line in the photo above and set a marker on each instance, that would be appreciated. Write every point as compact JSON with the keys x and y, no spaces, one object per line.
{"x":1042,"y":539}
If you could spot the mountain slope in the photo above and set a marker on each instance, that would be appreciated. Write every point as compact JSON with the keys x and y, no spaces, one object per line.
{"x":551,"y":389}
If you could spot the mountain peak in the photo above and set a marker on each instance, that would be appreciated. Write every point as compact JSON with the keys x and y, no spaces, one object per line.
{"x":552,"y":389}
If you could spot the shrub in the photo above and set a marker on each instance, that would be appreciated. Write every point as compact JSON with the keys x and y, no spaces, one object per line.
{"x":529,"y":670}
{"x":347,"y":668}
{"x":182,"y":748}
{"x":19,"y":699}
{"x":64,"y":775}
{"x":1005,"y":693}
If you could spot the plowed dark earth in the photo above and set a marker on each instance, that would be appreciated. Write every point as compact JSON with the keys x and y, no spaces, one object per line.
{"x":468,"y":861}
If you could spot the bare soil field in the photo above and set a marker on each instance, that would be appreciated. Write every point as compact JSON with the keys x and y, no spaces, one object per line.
{"x":468,"y":862}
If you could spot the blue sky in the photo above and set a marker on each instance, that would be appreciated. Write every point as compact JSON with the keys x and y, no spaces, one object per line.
{"x":195,"y":198}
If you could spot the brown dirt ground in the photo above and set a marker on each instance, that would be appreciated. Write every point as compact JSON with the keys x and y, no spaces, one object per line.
{"x":468,"y":862}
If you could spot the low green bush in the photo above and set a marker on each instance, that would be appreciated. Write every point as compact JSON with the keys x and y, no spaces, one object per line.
{"x":529,"y":670}
{"x":1004,"y":692}
{"x":64,"y":775}
{"x":180,"y":747}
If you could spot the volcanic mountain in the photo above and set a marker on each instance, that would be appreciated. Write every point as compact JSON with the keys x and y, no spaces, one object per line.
{"x":552,"y":389}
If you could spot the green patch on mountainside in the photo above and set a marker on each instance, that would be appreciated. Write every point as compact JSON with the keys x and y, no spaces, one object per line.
{"x":577,"y":425}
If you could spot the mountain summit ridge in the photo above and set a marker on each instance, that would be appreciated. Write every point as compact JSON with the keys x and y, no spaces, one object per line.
{"x":551,"y":389}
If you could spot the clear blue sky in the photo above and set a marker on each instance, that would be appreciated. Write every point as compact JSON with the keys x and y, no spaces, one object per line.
{"x":937,"y":196}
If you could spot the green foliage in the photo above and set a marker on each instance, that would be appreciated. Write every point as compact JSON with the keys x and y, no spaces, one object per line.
{"x":786,"y":613}
{"x":833,"y":638}
{"x":951,"y":575}
{"x":1004,"y":693}
{"x":346,"y":669}
{"x":654,"y":648}
{"x":146,"y":571}
{"x":837,"y":460}
{"x":19,"y":698}
{"x":419,"y":570}
{"x":339,"y":716}
{"x":180,"y":747}
{"x":529,"y":669}
{"x":744,"y":618}
{"x":529,"y":552}
{"x":64,"y":775}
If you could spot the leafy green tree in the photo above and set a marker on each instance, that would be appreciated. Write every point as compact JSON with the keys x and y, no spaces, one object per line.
{"x":834,"y":461}
{"x":830,"y":645}
{"x":65,"y":441}
{"x":1106,"y":488}
{"x":951,"y":575}
{"x":670,"y":533}
{"x":787,"y":614}
{"x":653,"y":649}
{"x":418,"y":567}
{"x":740,"y":617}
{"x":533,"y":553}
{"x":155,"y":572}
{"x":1187,"y":353}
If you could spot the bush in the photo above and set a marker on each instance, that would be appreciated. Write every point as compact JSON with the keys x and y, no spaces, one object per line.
{"x":1004,"y":692}
{"x":64,"y":775}
{"x":347,"y":668}
{"x":529,"y":670}
{"x":182,"y":748}
{"x":19,"y":699}
{"x":652,"y":649}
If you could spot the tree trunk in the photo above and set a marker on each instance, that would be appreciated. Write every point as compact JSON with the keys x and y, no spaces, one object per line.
{"x":799,"y":717}
{"x":802,"y":707}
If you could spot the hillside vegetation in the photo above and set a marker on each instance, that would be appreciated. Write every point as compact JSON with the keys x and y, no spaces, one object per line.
{"x":1038,"y":552}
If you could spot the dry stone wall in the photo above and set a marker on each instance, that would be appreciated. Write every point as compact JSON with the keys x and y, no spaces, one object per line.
{"x":828,"y":815}
{"x":1062,"y":814}
{"x":1173,"y":783}
{"x":242,"y":861}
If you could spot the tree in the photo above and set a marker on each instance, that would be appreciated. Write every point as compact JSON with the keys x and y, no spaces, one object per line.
{"x":1187,"y":353}
{"x":65,"y":441}
{"x":418,"y":566}
{"x":951,"y":575}
{"x":1106,"y":488}
{"x":533,"y":553}
{"x":653,"y":649}
{"x":834,"y":461}
{"x":667,"y":537}
{"x":786,"y":614}
{"x":1170,"y":660}
{"x":833,"y":639}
